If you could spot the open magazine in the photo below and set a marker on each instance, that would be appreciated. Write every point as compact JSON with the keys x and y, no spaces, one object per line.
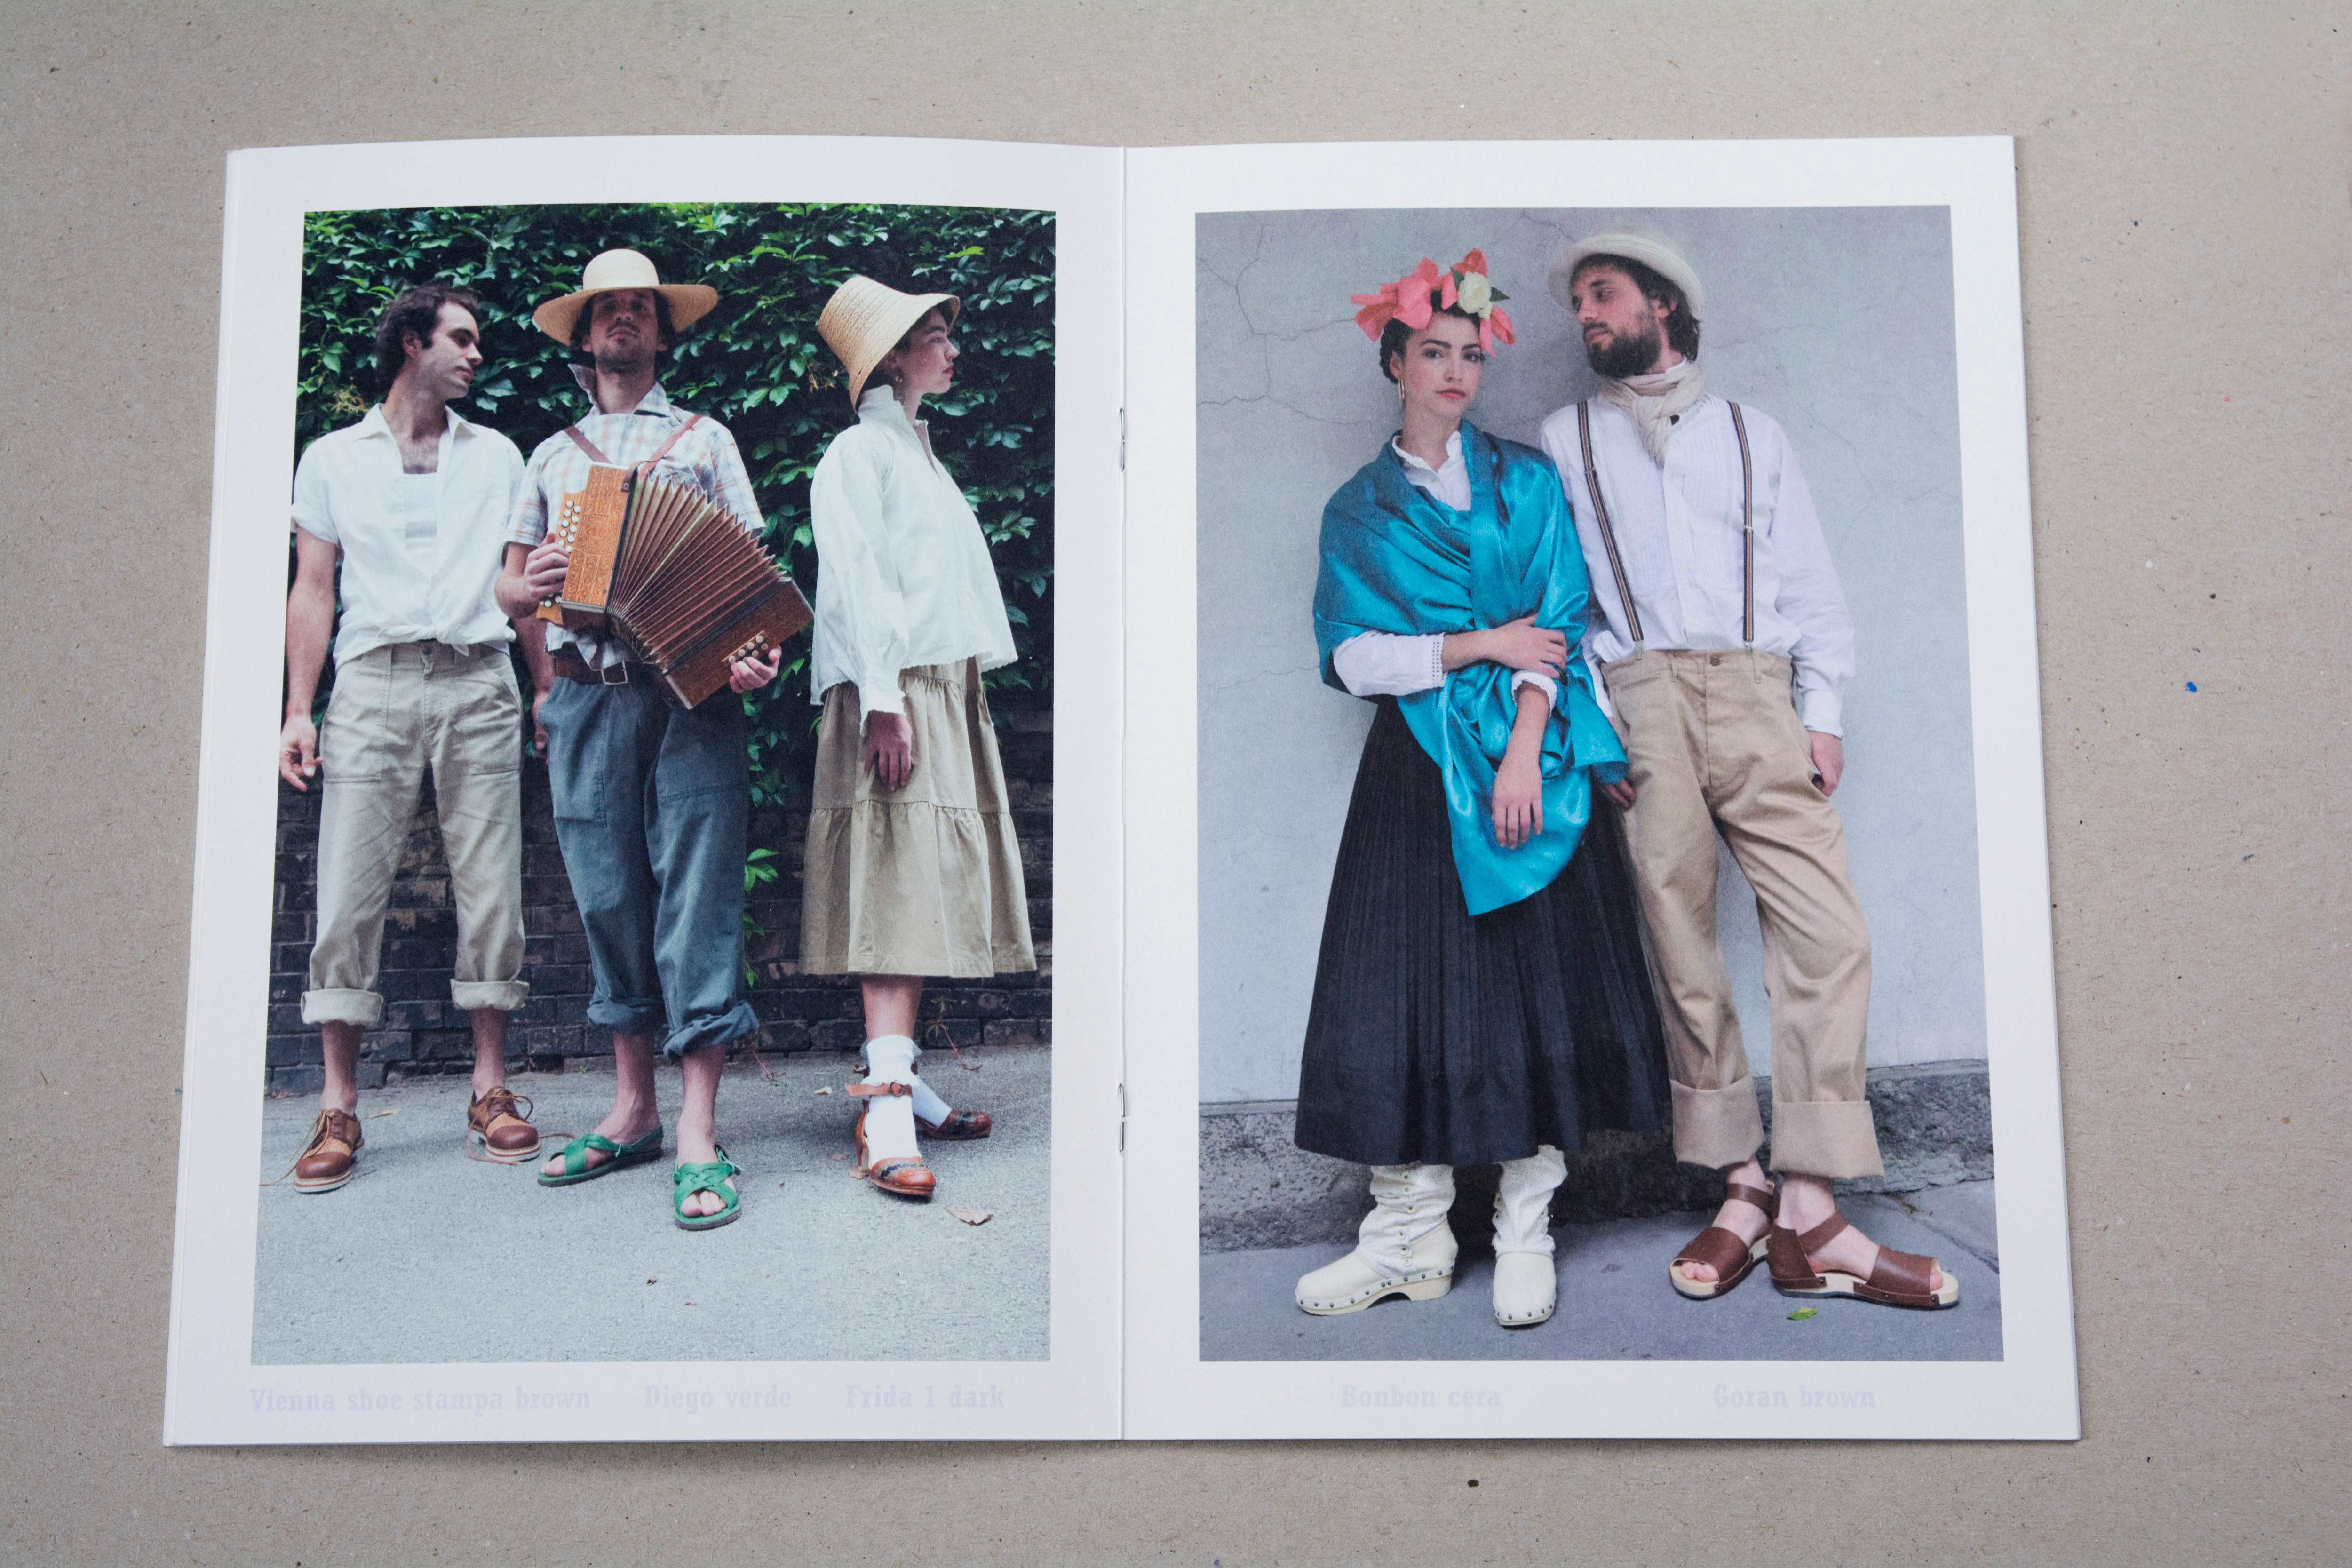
{"x":1387,"y":731}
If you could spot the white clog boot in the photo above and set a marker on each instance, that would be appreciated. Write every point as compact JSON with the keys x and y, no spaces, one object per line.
{"x":1526,"y":1285}
{"x":1404,"y":1247}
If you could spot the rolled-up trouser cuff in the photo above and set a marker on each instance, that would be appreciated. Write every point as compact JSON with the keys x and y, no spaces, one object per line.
{"x":364,"y":1008}
{"x":627,"y":1017}
{"x":1718,"y":1128}
{"x":504,"y":995}
{"x":1832,"y":1139}
{"x":732,"y":1024}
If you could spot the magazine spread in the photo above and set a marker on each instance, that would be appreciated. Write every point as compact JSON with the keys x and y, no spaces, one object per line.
{"x":1179,"y":793}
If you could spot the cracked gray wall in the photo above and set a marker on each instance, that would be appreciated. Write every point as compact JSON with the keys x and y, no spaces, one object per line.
{"x":1836,"y":322}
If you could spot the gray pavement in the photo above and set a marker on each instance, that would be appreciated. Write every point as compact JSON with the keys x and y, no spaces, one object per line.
{"x":1616,"y":1305}
{"x":427,"y":1256}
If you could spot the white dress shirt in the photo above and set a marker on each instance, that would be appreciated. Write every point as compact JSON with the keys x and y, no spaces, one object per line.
{"x":419,"y":550}
{"x":705,"y":457}
{"x":904,"y":577}
{"x":1678,"y":529}
{"x":1394,"y":664}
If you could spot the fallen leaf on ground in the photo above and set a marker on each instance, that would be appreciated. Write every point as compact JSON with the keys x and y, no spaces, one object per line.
{"x":826,"y":1089}
{"x":378,"y":1116}
{"x":1801,"y":1313}
{"x":972,"y":1216}
{"x":652,"y":1278}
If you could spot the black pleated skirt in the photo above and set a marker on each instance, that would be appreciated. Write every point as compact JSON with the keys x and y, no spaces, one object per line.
{"x":1437,"y":1038}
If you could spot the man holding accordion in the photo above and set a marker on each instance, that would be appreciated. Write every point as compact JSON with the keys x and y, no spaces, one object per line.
{"x":652,"y":801}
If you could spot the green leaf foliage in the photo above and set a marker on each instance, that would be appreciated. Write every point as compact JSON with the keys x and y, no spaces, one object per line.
{"x":755,"y":363}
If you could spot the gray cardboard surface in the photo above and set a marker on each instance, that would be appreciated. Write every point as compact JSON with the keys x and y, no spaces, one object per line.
{"x":2184,"y":177}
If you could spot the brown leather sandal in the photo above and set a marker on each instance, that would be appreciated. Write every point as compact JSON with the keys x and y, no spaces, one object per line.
{"x":909,"y":1178}
{"x":497,"y":1131}
{"x":958,"y":1125}
{"x":332,"y":1153}
{"x":1896,"y":1279}
{"x":1722,"y":1250}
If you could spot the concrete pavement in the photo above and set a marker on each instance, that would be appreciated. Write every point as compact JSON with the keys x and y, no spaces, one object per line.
{"x":427,"y":1256}
{"x":1616,"y":1305}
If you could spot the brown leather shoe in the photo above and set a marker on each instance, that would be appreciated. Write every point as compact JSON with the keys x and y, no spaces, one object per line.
{"x":958,"y":1125}
{"x":498,"y":1130}
{"x":909,"y":1178}
{"x":330,"y":1156}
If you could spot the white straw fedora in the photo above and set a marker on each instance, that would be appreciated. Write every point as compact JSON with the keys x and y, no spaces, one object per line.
{"x":689,"y":303}
{"x":864,"y":320}
{"x":1655,"y":251}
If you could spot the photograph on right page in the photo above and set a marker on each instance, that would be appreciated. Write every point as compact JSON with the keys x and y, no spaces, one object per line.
{"x":1591,"y":963}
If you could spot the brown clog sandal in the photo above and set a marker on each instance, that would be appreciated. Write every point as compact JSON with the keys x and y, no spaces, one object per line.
{"x":1722,"y":1250}
{"x":1896,"y":1279}
{"x":909,"y":1178}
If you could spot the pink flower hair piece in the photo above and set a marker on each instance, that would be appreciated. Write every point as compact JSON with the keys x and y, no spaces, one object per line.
{"x":1420,"y":293}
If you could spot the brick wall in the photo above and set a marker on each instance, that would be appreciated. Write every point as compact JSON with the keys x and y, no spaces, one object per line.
{"x":421,"y":1033}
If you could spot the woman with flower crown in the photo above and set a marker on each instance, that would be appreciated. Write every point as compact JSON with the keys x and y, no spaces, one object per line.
{"x":1481,"y":996}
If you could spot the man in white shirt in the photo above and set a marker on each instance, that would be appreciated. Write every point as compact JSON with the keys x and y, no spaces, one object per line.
{"x":1724,"y":645}
{"x":412,"y":502}
{"x":652,"y":802}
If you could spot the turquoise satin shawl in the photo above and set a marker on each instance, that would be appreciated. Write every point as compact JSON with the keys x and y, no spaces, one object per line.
{"x":1397,"y":559}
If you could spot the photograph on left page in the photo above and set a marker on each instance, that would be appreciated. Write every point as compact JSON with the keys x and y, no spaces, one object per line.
{"x":667,"y":909}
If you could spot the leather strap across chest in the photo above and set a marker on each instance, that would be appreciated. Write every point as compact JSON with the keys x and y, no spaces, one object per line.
{"x":1746,"y":527}
{"x":594,"y":455}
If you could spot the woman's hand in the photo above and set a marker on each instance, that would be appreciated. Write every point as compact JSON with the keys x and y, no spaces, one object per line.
{"x":1523,"y":645}
{"x":1518,"y":799}
{"x":889,"y":749}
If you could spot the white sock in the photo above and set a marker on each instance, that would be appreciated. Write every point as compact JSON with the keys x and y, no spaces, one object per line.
{"x":891,"y":1120}
{"x":928,"y":1105}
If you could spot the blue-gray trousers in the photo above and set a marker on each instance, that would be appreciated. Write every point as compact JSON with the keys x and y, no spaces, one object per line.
{"x":651,"y":808}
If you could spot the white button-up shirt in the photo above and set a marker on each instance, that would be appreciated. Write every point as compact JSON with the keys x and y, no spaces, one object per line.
{"x":419,"y":550}
{"x":1394,"y":664}
{"x":705,"y":457}
{"x":1678,"y":533}
{"x":904,"y":577}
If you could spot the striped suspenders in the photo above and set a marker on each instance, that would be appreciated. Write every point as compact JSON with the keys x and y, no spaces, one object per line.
{"x":1747,"y":528}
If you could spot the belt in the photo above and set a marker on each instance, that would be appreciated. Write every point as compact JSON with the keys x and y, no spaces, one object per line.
{"x":567,"y":664}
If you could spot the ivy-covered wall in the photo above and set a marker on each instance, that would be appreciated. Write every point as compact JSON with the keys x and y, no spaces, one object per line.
{"x":755,"y":363}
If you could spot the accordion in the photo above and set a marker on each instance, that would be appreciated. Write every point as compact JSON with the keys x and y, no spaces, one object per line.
{"x":674,"y":576}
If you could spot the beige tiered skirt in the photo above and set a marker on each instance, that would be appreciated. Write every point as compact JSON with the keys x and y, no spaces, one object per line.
{"x":924,"y":880}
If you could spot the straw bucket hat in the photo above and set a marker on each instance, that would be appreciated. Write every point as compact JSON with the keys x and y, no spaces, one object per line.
{"x":689,"y":303}
{"x":1655,"y":251}
{"x":864,"y":320}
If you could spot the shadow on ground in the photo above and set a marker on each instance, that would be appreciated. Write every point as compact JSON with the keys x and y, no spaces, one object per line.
{"x":427,"y":1256}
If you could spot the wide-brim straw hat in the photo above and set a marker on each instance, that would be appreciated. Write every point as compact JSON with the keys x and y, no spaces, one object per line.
{"x":689,"y":303}
{"x":864,"y":320}
{"x":1655,"y":251}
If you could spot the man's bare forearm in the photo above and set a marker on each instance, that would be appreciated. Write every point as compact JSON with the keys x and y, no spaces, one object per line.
{"x":310,"y":627}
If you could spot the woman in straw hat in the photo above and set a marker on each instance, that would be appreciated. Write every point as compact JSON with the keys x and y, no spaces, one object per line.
{"x":1480,"y":996}
{"x":912,"y":869}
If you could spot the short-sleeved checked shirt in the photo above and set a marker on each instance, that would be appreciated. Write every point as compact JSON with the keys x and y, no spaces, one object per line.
{"x":705,"y":457}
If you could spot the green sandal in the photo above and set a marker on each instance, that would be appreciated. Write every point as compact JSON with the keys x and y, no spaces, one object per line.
{"x":708,"y":1176}
{"x":576,"y":1167}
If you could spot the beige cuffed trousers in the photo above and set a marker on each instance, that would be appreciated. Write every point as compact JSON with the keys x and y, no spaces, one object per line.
{"x":395,"y":711}
{"x":1714,"y":745}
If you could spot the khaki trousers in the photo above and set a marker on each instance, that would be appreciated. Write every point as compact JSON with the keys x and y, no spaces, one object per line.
{"x":1714,"y":745}
{"x":395,"y":711}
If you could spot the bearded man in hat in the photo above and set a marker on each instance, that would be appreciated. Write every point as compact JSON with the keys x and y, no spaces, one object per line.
{"x":652,"y":802}
{"x":1724,"y":647}
{"x":406,"y":511}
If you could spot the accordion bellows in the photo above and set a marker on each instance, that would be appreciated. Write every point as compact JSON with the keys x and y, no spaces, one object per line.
{"x":674,"y":576}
